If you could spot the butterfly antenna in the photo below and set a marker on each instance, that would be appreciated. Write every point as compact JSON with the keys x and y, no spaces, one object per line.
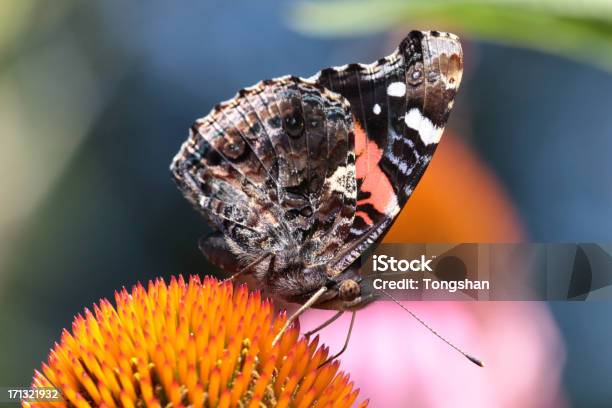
{"x":301,"y":310}
{"x":473,"y":359}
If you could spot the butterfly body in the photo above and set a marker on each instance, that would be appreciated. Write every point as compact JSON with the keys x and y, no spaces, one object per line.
{"x":300,"y":176}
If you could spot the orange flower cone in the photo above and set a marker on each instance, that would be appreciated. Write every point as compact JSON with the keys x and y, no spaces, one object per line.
{"x":200,"y":344}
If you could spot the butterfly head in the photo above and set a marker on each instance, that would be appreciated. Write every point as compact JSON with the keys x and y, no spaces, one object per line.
{"x":346,"y":291}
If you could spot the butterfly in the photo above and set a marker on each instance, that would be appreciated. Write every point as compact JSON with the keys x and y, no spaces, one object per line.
{"x":300,"y":176}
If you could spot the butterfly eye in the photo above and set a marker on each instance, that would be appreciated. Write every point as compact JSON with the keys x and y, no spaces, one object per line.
{"x":348,"y":290}
{"x":294,"y":125}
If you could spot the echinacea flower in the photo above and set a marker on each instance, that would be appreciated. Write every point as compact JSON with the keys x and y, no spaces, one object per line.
{"x":200,"y":344}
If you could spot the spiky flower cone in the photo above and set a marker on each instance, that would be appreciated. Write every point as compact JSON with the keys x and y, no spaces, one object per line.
{"x":200,"y":344}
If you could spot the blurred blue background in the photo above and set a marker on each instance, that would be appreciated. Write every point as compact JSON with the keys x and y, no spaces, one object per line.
{"x":96,"y":97}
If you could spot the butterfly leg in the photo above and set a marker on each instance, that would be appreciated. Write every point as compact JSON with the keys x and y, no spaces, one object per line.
{"x":346,"y":341}
{"x":325,"y":324}
{"x":219,"y":254}
{"x":248,"y":267}
{"x":313,"y":299}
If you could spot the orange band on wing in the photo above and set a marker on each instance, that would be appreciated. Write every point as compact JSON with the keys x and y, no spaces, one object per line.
{"x":375,"y":182}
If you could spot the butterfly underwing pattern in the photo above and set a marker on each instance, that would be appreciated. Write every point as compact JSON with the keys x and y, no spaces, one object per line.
{"x":299,"y":176}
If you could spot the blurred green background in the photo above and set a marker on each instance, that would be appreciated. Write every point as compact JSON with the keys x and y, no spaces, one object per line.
{"x":96,"y":97}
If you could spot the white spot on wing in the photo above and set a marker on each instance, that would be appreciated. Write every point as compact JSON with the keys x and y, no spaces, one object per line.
{"x":376,"y":109}
{"x":397,"y":89}
{"x":428,"y":132}
{"x":314,"y":78}
{"x":340,"y":180}
{"x":341,"y":68}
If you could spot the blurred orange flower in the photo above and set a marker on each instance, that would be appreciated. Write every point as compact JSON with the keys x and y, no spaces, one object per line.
{"x":190,"y":344}
{"x":458,"y":200}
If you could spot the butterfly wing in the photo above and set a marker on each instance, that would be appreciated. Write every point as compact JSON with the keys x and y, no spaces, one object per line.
{"x":400,"y":105}
{"x":273,"y":169}
{"x":315,"y":170}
